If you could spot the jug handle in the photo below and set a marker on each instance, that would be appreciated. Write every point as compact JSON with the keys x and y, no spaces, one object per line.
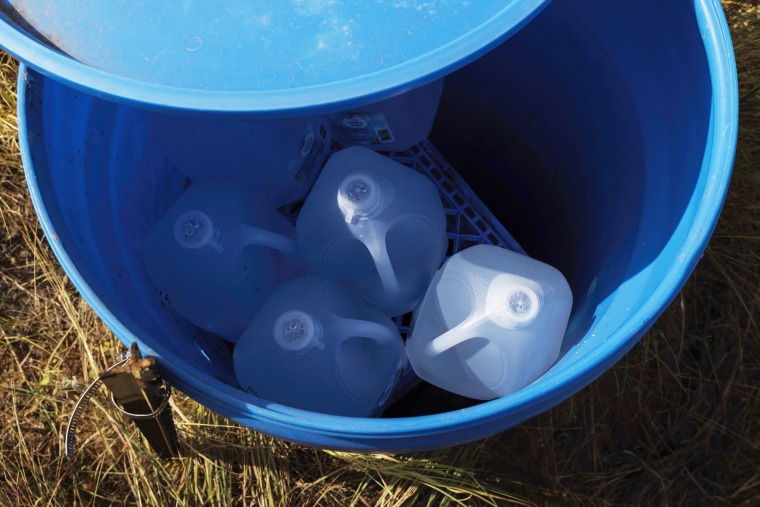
{"x":257,"y":236}
{"x":367,"y":329}
{"x":454,"y":336}
{"x":376,"y":246}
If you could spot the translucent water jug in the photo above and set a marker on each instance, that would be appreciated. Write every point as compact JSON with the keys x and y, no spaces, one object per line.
{"x":375,"y":226}
{"x":217,"y":253}
{"x":278,"y":160}
{"x":316,"y":347}
{"x":393,"y":124}
{"x":491,"y":322}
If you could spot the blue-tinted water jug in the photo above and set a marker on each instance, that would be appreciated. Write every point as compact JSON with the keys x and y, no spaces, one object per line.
{"x":315,"y":346}
{"x":278,"y":160}
{"x":393,"y":124}
{"x":491,"y":322}
{"x":375,"y":226}
{"x":217,"y":253}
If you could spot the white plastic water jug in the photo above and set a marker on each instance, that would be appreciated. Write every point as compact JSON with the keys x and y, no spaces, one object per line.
{"x":375,"y":226}
{"x":278,"y":160}
{"x":491,"y":322}
{"x":393,"y":124}
{"x":217,"y":253}
{"x":316,"y":347}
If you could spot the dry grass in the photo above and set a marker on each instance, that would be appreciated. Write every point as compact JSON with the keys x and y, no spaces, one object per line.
{"x":674,"y":423}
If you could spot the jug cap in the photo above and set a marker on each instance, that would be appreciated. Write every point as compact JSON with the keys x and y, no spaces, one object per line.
{"x":194,"y":230}
{"x":360,"y":196}
{"x":512,"y":301}
{"x":297,"y":331}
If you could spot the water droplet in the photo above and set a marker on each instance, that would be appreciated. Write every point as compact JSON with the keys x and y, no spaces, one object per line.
{"x":193,"y":43}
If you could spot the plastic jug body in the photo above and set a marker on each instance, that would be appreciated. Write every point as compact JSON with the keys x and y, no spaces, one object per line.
{"x":375,"y":226}
{"x":491,"y":322}
{"x":217,"y":253}
{"x":278,"y":160}
{"x":393,"y":124}
{"x":316,"y":347}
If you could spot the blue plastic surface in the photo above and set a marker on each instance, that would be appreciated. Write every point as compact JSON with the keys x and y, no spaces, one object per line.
{"x":602,"y":136}
{"x":268,"y":58}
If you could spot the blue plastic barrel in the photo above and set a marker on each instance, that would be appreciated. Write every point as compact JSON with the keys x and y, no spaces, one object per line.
{"x":601,"y":135}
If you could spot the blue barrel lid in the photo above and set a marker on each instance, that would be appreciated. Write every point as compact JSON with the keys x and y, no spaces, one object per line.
{"x":271,"y":58}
